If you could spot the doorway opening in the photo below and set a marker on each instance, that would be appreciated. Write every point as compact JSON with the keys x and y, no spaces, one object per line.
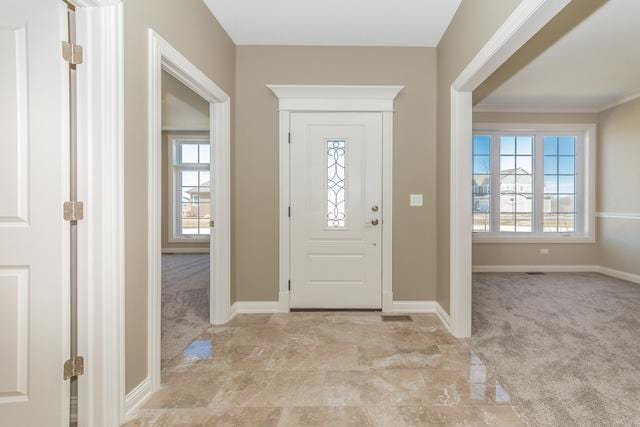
{"x":197,"y":208}
{"x":186,"y":216}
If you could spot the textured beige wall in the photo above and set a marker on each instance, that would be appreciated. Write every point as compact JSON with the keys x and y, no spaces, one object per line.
{"x":256,"y":161}
{"x":473,"y":24}
{"x":529,"y":253}
{"x":619,"y":186}
{"x":189,"y":26}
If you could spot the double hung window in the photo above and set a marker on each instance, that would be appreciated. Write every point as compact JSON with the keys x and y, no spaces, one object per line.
{"x":531,"y":183}
{"x":191,"y":190}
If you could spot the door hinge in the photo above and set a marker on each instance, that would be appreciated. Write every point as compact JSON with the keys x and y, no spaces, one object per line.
{"x":73,"y":367}
{"x":289,"y":137}
{"x":289,"y":211}
{"x":212,"y":223}
{"x":73,"y":211}
{"x":289,"y":284}
{"x":72,"y":53}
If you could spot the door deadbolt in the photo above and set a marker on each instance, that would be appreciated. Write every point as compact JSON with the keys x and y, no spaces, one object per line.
{"x":374,"y":222}
{"x":374,"y":208}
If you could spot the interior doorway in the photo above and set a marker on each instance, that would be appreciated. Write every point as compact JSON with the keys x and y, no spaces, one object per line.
{"x":186,"y":216}
{"x":197,"y":201}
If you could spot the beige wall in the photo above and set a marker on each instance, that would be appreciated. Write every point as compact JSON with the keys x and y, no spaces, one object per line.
{"x":189,"y":26}
{"x":619,"y":186}
{"x":256,"y":161}
{"x":473,"y":24}
{"x":529,"y":253}
{"x":182,"y":108}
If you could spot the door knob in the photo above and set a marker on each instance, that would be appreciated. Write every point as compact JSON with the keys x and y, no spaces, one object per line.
{"x":374,"y":222}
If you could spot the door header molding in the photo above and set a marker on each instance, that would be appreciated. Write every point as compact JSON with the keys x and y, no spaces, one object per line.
{"x":335,"y":97}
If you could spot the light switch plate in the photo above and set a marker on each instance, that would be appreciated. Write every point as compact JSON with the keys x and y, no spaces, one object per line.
{"x":415,"y":200}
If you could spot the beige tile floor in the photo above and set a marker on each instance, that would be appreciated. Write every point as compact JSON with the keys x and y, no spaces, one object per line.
{"x":333,"y":369}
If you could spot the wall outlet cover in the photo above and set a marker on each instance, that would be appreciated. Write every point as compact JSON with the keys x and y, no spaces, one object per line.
{"x":415,"y":200}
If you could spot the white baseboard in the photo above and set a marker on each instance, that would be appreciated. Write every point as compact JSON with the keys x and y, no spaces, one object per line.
{"x":535,"y":268}
{"x":185,"y":250}
{"x":422,"y":307}
{"x":630,"y":277}
{"x":414,"y":306}
{"x":136,"y":398}
{"x":254,"y":307}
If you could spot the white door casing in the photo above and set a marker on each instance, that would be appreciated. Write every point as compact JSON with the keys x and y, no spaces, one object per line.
{"x":34,"y":182}
{"x":335,"y":98}
{"x":336,"y":217}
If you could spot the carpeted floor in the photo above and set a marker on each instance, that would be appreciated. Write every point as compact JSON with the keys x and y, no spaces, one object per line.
{"x":185,"y":301}
{"x":565,"y":345}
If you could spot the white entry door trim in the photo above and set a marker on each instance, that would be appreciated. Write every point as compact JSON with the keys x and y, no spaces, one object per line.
{"x":332,"y":98}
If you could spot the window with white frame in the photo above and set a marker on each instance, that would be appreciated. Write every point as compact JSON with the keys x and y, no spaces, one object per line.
{"x":532,"y":184}
{"x":191,"y":188}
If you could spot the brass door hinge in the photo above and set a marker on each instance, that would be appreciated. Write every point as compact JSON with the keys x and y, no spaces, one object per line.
{"x":72,"y":53}
{"x":73,"y":367}
{"x":73,"y":211}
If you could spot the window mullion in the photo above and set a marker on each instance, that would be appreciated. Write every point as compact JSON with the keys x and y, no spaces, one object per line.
{"x":495,"y":184}
{"x":538,"y":187}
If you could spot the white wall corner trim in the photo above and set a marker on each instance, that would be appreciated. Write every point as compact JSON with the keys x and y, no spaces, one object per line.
{"x":101,"y":329}
{"x":327,"y":98}
{"x":525,"y":21}
{"x":136,"y":398}
{"x":163,"y":56}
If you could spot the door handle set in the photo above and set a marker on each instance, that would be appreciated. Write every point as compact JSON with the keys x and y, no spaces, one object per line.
{"x":374,"y":221}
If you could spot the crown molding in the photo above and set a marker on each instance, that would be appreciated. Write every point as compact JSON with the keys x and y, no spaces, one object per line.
{"x":524,"y":108}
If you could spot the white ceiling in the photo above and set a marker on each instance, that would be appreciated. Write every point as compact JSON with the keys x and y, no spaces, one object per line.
{"x":335,"y":22}
{"x":593,"y":67}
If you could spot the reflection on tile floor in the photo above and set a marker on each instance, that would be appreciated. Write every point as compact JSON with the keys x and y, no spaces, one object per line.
{"x":315,"y":369}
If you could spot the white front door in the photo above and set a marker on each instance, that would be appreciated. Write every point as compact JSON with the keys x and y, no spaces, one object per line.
{"x":33,"y":236}
{"x":336,"y":217}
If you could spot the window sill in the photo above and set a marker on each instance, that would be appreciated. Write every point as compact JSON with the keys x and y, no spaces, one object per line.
{"x":179,"y":239}
{"x":533,"y":239}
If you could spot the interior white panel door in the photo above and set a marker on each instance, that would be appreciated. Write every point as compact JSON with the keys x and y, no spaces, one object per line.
{"x":336,"y":200}
{"x":33,"y":264}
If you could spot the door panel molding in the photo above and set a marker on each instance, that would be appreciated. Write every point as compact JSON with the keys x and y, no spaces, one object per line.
{"x":327,"y":98}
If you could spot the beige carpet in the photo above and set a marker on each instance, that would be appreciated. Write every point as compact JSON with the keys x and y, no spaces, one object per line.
{"x":185,"y":301}
{"x":565,"y":345}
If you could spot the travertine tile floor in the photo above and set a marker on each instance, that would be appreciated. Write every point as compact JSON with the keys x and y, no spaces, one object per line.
{"x":333,"y":369}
